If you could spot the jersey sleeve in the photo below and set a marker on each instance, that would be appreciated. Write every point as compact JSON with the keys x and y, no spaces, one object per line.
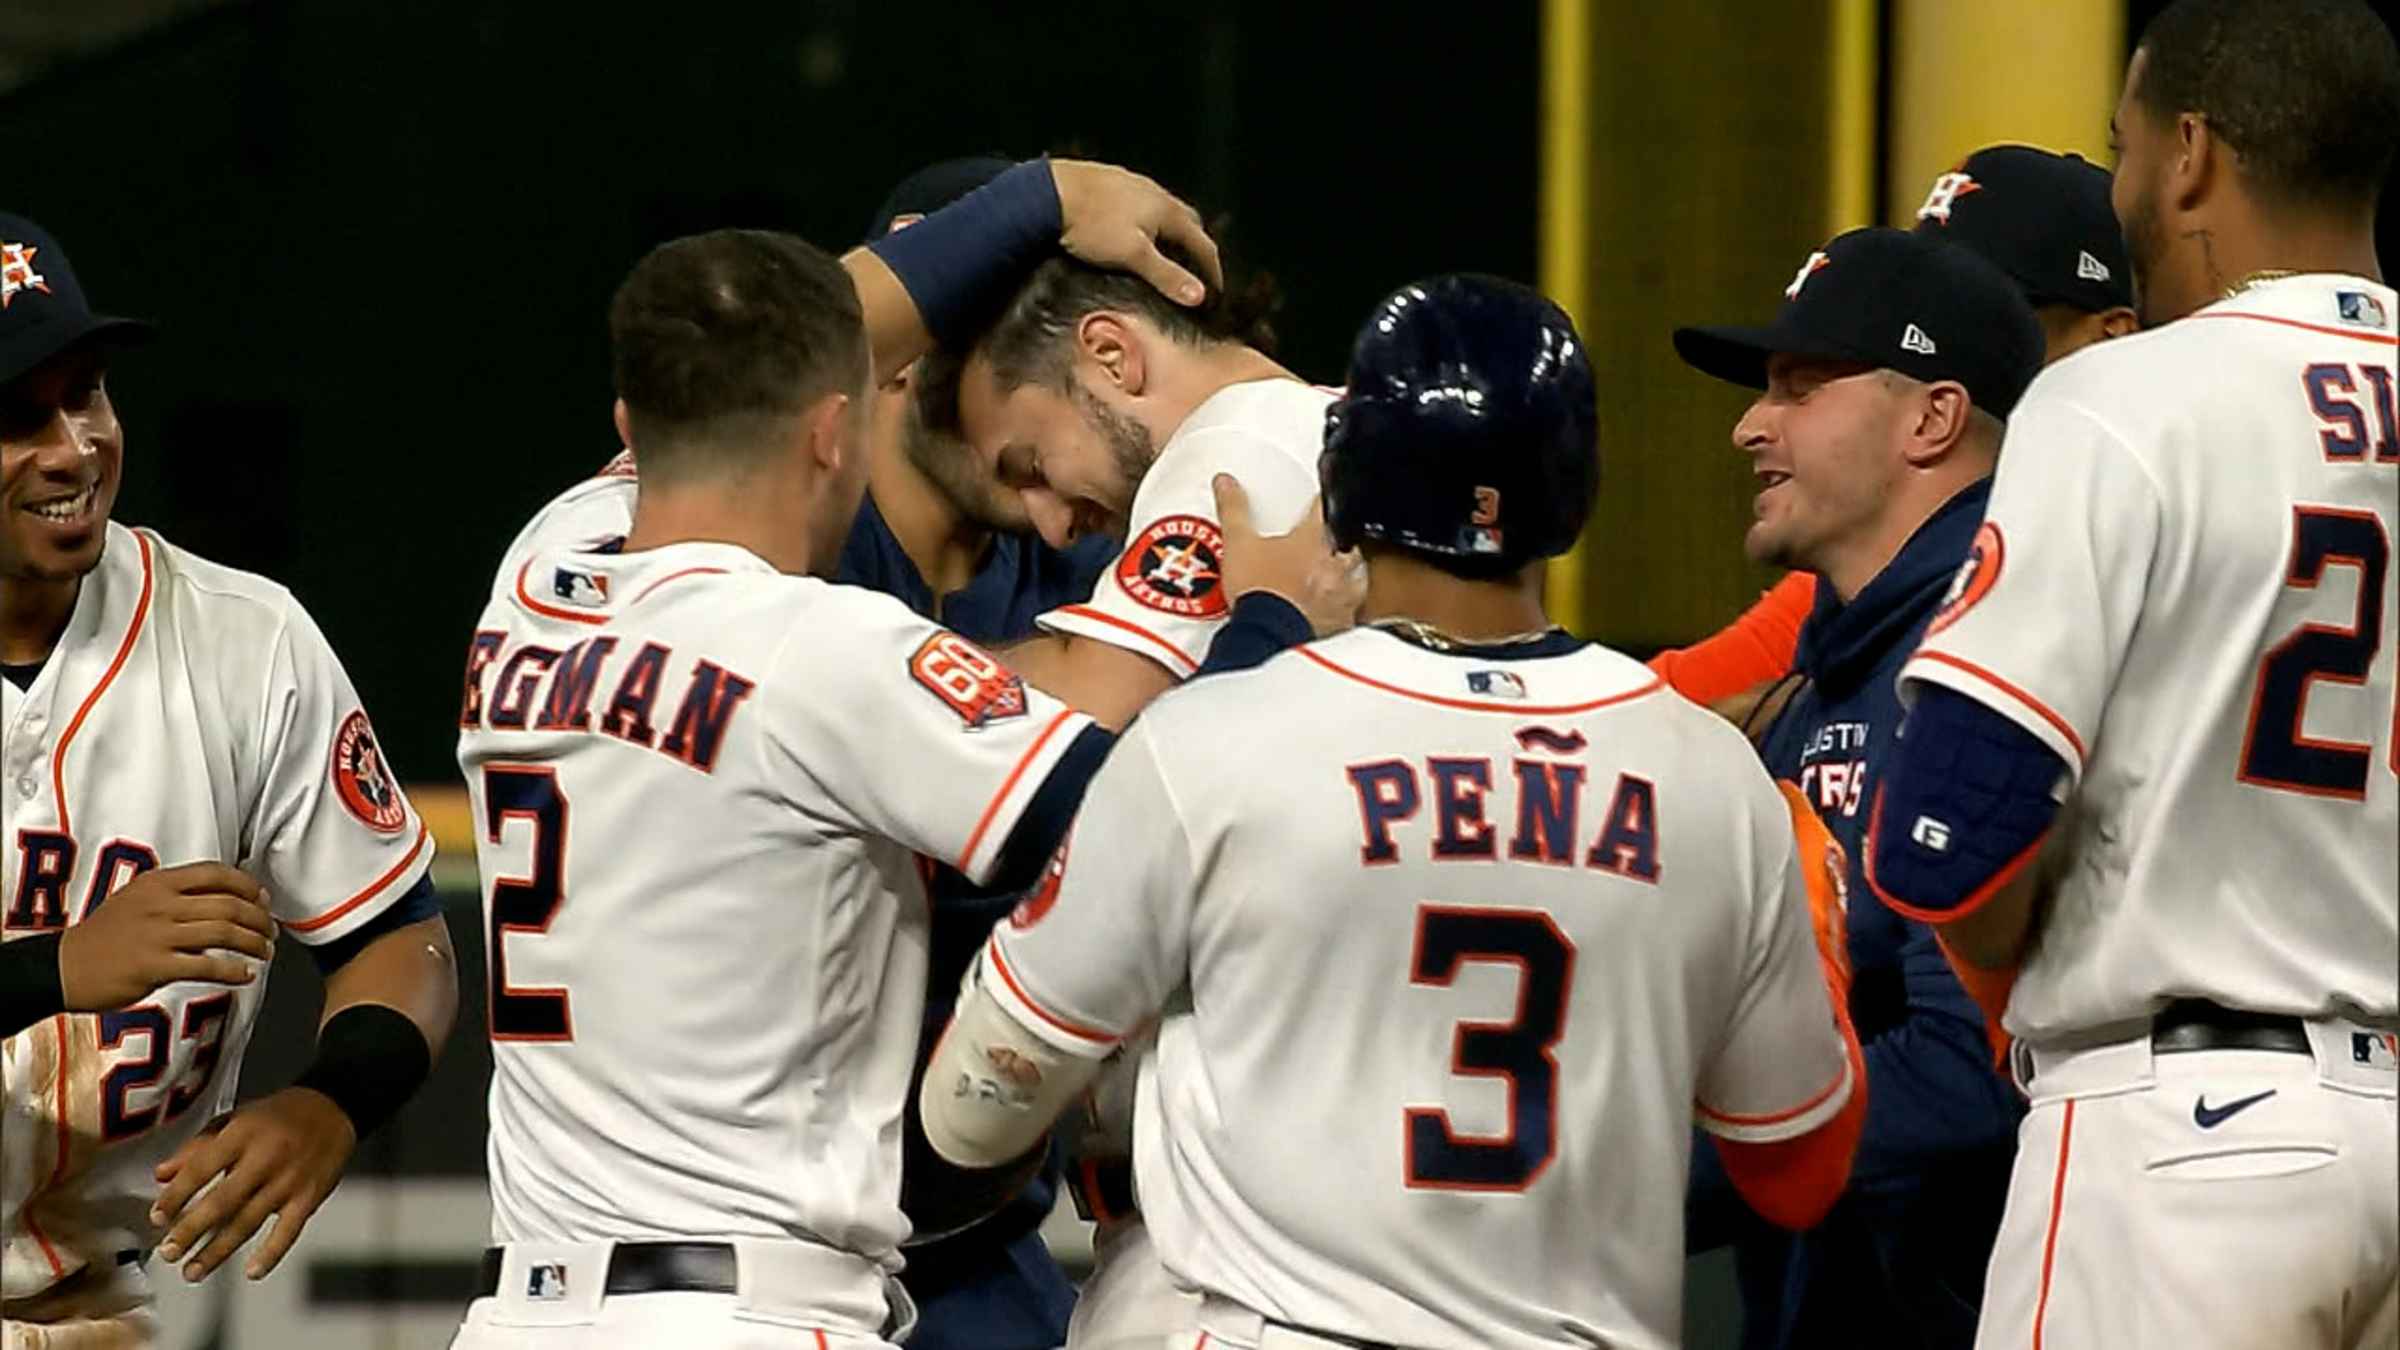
{"x":1101,"y":943}
{"x":1783,"y":1065}
{"x":908,"y":731}
{"x":1752,"y":650}
{"x":1163,"y":597}
{"x":2037,"y":622}
{"x":332,"y":837}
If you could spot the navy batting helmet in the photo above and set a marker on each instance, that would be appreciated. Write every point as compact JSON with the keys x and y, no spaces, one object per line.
{"x":1469,"y":432}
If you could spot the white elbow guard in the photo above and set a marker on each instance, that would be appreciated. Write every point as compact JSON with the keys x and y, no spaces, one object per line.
{"x":993,"y":1086}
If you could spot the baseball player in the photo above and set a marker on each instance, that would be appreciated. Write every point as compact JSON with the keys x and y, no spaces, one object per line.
{"x":1881,"y":385}
{"x":186,"y":770}
{"x":702,"y":774}
{"x":2151,"y":752}
{"x":2045,"y":220}
{"x":1567,"y":909}
{"x":1112,"y":409}
{"x":939,"y":533}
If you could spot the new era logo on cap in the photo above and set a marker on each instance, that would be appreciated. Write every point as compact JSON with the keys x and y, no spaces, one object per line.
{"x":1914,"y":340}
{"x":1807,"y":269}
{"x":2088,"y":267}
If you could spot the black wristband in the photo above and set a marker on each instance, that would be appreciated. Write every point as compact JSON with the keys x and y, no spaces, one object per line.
{"x":29,"y":983}
{"x":961,"y":263}
{"x":370,"y":1060}
{"x":1262,"y":625}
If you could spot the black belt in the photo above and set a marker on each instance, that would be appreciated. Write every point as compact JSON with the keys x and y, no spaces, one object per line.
{"x":1102,"y":1189}
{"x":642,"y":1268}
{"x":1355,"y":1343}
{"x":2196,"y":1024}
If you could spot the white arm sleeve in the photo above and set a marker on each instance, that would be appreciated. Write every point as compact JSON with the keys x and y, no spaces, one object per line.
{"x":918,"y":735}
{"x":1102,"y":943}
{"x":332,"y":837}
{"x":1782,"y":1068}
{"x":1163,"y":596}
{"x":2037,"y":624}
{"x":993,"y":1086}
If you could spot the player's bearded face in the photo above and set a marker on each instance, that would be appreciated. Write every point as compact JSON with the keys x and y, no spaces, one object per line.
{"x":964,"y":479}
{"x":1073,"y":459}
{"x":61,"y":457}
{"x":1819,"y":447}
{"x":2134,"y":190}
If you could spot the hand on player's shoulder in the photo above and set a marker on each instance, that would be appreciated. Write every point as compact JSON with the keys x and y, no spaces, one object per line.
{"x":1300,"y":565}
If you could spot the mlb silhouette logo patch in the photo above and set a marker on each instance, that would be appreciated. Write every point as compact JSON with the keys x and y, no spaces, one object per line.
{"x":2358,"y":307}
{"x":588,"y":589}
{"x":1495,"y":684}
{"x":2375,"y":1049}
{"x":546,"y":1282}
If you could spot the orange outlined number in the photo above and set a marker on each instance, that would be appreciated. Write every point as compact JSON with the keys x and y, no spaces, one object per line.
{"x":1520,"y":1053}
{"x":967,"y":680}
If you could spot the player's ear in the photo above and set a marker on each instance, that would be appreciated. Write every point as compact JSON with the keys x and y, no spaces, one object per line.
{"x":1941,"y":423}
{"x":2198,"y":156}
{"x":2119,"y":322}
{"x":624,"y":421}
{"x":827,"y":431}
{"x":1109,"y":343}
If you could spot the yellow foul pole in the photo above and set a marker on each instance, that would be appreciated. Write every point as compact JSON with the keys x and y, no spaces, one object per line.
{"x":1565,"y":197}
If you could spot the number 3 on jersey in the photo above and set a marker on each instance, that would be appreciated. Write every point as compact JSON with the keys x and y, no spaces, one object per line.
{"x":1518,"y":1052}
{"x":525,"y":904}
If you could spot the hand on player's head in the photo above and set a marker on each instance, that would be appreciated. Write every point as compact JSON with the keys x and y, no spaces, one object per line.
{"x":1116,"y":218}
{"x":1299,"y":565}
{"x":201,"y":921}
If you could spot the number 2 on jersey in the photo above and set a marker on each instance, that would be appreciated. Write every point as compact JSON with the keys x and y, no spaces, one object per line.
{"x":525,"y":904}
{"x":1518,"y":1052}
{"x":2276,"y":753}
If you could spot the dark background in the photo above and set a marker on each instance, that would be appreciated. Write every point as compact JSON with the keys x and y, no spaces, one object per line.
{"x":380,"y":240}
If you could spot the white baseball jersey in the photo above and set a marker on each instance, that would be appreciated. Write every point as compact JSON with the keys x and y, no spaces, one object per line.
{"x":190,"y":713}
{"x":2184,"y":587}
{"x":1164,"y":597}
{"x":1468,"y":945}
{"x":699,"y":786}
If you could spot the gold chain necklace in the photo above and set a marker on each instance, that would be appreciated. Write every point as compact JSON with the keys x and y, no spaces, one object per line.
{"x":1426,"y":635}
{"x":2258,"y":278}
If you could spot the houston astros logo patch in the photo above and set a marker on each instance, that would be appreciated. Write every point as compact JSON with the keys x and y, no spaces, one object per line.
{"x":1174,"y":566}
{"x":16,"y":272}
{"x":1974,"y":580}
{"x":361,"y":779}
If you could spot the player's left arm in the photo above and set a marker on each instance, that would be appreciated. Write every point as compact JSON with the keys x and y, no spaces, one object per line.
{"x":1092,"y":954}
{"x":2012,"y":680}
{"x":344,"y":859}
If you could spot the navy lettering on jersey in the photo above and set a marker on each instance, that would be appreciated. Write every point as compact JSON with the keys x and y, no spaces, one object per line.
{"x":2387,"y":413}
{"x":516,"y":686}
{"x":121,"y":861}
{"x":1460,"y":830}
{"x":1628,"y":843}
{"x":1549,"y":800}
{"x":709,"y":704}
{"x":479,"y":656}
{"x":572,"y":683}
{"x":1387,"y":794}
{"x":2344,"y":436}
{"x":45,"y":860}
{"x":628,"y":715}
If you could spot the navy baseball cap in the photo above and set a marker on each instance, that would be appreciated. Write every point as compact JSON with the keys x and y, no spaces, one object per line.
{"x":1900,"y":301}
{"x":42,"y":309}
{"x":931,"y":188}
{"x":2042,"y":218}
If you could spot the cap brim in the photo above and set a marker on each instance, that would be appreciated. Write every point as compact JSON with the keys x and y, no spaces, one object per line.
{"x":1734,"y":355}
{"x":48,"y":342}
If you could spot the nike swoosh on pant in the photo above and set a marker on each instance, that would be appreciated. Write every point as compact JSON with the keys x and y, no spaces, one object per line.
{"x":2209,"y":1117}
